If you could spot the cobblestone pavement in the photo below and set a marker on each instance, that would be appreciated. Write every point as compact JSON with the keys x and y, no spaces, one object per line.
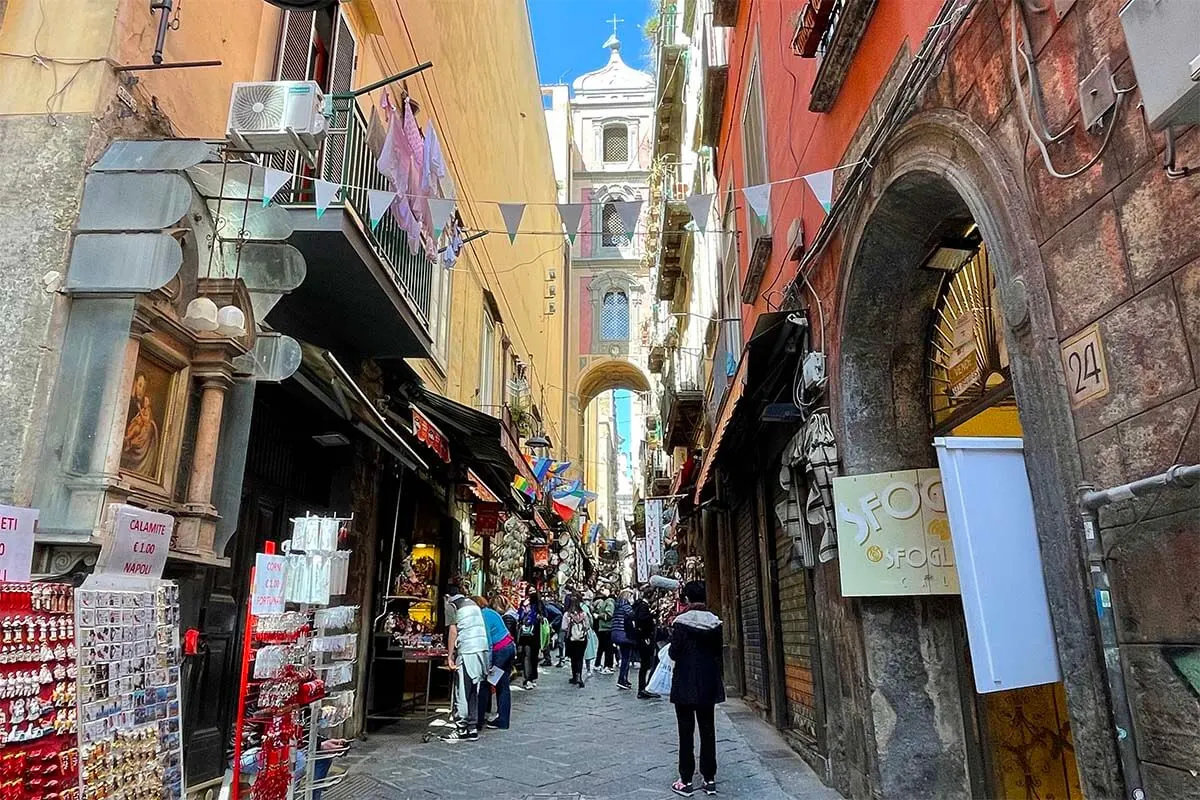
{"x":567,"y":743}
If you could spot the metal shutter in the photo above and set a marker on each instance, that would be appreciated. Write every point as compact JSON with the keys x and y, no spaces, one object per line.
{"x":798,"y":631}
{"x":341,"y":74}
{"x":293,"y":63}
{"x":750,"y":596}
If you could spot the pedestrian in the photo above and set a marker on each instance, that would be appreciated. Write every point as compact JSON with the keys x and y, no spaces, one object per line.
{"x":467,"y":653}
{"x":593,"y":641}
{"x":504,"y":652}
{"x":623,"y":636}
{"x":575,"y":629}
{"x":554,"y":615}
{"x":644,"y":625}
{"x":605,"y":607}
{"x":696,"y":687}
{"x":529,"y":637}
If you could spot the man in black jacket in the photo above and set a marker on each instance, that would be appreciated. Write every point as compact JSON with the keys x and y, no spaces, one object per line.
{"x":696,"y":687}
{"x":642,"y":622}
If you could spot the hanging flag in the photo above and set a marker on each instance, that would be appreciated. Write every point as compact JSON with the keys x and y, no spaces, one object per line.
{"x":559,"y":467}
{"x":821,"y":184}
{"x":541,"y":468}
{"x":629,"y":211}
{"x":570,"y":214}
{"x":565,"y":507}
{"x":378,"y":203}
{"x":327,"y":192}
{"x":273,"y":181}
{"x":512,"y":213}
{"x":439,"y":213}
{"x":759,"y":198}
{"x":700,"y":205}
{"x":522,"y":485}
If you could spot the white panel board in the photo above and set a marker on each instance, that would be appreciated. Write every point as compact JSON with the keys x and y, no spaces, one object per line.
{"x":995,"y":539}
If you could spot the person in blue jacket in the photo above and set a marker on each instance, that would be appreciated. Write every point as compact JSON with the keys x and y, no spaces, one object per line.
{"x":623,"y":636}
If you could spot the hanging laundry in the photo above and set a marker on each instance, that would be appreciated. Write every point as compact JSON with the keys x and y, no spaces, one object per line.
{"x":433,"y":172}
{"x":397,"y":164}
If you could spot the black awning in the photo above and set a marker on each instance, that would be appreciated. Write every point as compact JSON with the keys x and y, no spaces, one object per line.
{"x":475,"y":437}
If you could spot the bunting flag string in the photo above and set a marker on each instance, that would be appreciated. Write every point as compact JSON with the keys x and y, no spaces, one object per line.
{"x":440,"y":210}
{"x":700,"y":205}
{"x":326,"y":192}
{"x":628,"y":211}
{"x":821,"y":184}
{"x":759,"y":198}
{"x":378,"y":202}
{"x":512,"y":213}
{"x":571,"y":214}
{"x":273,"y":181}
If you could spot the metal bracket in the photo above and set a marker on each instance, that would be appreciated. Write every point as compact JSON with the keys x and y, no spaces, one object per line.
{"x":1097,"y":95}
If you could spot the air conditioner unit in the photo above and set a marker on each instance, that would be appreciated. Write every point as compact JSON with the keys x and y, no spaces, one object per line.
{"x":271,"y":116}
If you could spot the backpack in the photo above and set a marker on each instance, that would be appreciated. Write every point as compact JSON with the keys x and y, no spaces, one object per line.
{"x":577,"y":629}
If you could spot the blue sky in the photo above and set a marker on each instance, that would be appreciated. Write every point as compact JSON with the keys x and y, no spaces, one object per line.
{"x":568,"y":35}
{"x":623,"y":412}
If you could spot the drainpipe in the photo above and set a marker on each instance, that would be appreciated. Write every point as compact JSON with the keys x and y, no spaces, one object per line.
{"x":1090,"y":503}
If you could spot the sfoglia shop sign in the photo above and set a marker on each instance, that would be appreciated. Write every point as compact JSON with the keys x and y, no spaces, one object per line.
{"x":894,"y":535}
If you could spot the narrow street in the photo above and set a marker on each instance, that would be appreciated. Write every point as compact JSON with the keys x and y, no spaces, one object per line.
{"x":568,"y":744}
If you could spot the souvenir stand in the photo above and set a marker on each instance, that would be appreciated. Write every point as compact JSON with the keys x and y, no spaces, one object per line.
{"x":298,"y":659}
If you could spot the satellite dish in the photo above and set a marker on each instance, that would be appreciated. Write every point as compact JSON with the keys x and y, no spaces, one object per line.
{"x":302,"y":5}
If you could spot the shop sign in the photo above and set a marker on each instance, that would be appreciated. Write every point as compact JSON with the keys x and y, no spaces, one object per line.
{"x":268,"y":585}
{"x":17,"y":527}
{"x":963,"y":369}
{"x":541,"y":556}
{"x":893,"y":534}
{"x":487,"y":519}
{"x":643,"y":568}
{"x":138,"y":545}
{"x":475,"y":546}
{"x":429,"y":433}
{"x":654,"y":531}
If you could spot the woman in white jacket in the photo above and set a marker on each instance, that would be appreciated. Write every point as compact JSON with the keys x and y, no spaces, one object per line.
{"x":593,"y":641}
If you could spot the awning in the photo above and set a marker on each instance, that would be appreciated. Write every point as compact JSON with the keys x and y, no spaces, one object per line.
{"x":732,"y":397}
{"x":760,"y":358}
{"x":478,"y":436}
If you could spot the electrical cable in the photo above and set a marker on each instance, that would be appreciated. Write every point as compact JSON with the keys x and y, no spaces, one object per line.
{"x":1035,"y":84}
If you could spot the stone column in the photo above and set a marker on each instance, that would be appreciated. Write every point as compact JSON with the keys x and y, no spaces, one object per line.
{"x":196,"y":527}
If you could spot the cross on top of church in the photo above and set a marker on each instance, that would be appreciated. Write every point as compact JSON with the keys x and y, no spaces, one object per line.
{"x":614,"y":22}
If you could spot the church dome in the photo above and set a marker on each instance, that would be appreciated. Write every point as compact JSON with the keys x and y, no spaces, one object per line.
{"x":615,"y":75}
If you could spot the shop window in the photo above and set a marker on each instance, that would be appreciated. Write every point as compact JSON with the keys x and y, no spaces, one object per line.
{"x":613,"y":227}
{"x":616,"y":144}
{"x":614,"y":317}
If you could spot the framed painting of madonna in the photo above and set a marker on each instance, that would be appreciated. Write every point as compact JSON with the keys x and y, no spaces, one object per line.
{"x":152,"y":416}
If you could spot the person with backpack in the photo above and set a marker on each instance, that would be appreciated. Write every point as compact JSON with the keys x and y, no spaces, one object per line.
{"x":644,"y":625}
{"x":605,"y":606}
{"x":529,"y":637}
{"x":575,"y":629}
{"x":623,"y":635}
{"x":696,"y":687}
{"x":593,"y":642}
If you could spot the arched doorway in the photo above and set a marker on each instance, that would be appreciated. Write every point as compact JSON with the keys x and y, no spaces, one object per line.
{"x":937,"y":346}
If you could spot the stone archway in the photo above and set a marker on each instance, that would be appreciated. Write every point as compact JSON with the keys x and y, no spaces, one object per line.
{"x":940,"y":170}
{"x":610,"y":373}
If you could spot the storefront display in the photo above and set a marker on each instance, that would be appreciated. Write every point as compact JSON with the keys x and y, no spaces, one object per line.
{"x":39,"y":756}
{"x":131,"y":742}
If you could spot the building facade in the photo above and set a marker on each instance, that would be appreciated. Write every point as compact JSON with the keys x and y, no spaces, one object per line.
{"x":353,"y":371}
{"x":991,"y":261}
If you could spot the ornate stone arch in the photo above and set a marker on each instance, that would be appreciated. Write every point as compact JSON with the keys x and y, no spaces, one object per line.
{"x":941,"y":166}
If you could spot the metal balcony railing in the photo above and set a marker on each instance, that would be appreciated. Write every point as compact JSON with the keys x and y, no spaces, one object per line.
{"x":345,"y":158}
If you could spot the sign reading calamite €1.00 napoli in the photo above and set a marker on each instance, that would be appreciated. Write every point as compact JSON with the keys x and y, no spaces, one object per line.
{"x":893,"y":534}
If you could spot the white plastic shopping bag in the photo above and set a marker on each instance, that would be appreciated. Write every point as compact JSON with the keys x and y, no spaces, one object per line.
{"x":660,"y":681}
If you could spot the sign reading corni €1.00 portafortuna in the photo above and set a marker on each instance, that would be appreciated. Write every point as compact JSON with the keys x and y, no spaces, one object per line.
{"x":893,"y":534}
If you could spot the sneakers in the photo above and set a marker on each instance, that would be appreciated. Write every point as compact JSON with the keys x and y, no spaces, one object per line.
{"x":624,"y":685}
{"x":709,"y":787}
{"x":682,"y":789}
{"x":459,"y":735}
{"x":649,"y":696}
{"x":492,"y":725}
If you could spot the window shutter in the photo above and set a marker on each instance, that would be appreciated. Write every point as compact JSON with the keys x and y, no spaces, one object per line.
{"x":295,"y":46}
{"x":341,"y":76}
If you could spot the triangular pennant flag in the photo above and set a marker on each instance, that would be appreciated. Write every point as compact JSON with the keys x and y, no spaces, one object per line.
{"x":273,"y":181}
{"x":759,"y":198}
{"x":629,"y":211}
{"x":700,"y":205}
{"x":439,"y":212}
{"x":571,"y":213}
{"x":326,"y":192}
{"x":378,"y":202}
{"x":512,"y":213}
{"x":821,"y":184}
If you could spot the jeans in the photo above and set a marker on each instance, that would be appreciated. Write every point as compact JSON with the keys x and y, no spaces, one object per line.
{"x":604,"y":653}
{"x":689,"y":718}
{"x":626,"y":658}
{"x":529,"y":657}
{"x":502,"y":659}
{"x":468,"y":693}
{"x":648,"y":661}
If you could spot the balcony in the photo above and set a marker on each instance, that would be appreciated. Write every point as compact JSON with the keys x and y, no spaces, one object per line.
{"x":715,"y":54}
{"x":676,"y":247}
{"x":657,"y":469}
{"x":725,"y":13}
{"x":364,"y":290}
{"x":682,"y":399}
{"x":670,"y":55}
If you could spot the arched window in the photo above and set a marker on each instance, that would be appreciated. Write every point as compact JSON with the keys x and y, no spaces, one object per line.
{"x":614,"y":316}
{"x":616,"y":144}
{"x":613,"y":227}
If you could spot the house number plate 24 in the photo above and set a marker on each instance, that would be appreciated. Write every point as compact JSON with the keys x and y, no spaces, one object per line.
{"x":1086,"y":371}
